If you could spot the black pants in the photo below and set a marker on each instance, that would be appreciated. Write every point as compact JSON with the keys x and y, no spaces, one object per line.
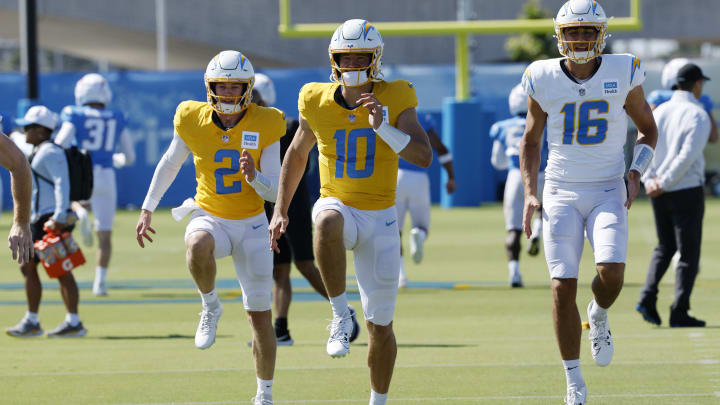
{"x":678,"y":222}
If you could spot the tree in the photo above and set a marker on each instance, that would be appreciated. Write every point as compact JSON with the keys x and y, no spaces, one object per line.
{"x":531,"y":47}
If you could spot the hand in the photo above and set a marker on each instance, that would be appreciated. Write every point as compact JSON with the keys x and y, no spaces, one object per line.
{"x":633,"y":186}
{"x":369,"y":101}
{"x":450,"y":186}
{"x":20,"y":243}
{"x":531,"y":205}
{"x":143,"y":226}
{"x":247,"y":166}
{"x":653,"y":189}
{"x":54,"y":226}
{"x":277,"y":227}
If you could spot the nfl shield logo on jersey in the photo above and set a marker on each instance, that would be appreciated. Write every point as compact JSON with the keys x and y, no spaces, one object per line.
{"x":225,"y":139}
{"x":582,"y":92}
{"x":351,"y":117}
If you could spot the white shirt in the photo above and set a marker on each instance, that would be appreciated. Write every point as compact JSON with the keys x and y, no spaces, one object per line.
{"x":683,"y":131}
{"x":586,"y":122}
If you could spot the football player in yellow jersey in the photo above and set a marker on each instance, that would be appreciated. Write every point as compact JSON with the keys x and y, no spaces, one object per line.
{"x":360,"y":123}
{"x":236,"y":152}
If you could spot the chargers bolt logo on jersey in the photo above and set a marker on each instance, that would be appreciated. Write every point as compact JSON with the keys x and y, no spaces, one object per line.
{"x":610,"y":87}
{"x":250,"y":140}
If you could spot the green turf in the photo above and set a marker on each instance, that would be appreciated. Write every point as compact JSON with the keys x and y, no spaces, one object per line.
{"x":481,"y":343}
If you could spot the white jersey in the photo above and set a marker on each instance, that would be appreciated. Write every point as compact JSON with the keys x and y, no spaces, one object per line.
{"x":586,"y":122}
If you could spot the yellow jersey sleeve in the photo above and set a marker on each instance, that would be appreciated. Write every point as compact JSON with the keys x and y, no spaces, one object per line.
{"x":221,"y":187}
{"x":356,"y":166}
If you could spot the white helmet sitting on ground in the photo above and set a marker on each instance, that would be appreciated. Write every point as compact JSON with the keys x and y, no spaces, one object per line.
{"x":581,"y":13}
{"x":229,"y":67}
{"x":356,"y":36}
{"x":518,"y":100}
{"x":92,"y":88}
{"x":265,"y":87}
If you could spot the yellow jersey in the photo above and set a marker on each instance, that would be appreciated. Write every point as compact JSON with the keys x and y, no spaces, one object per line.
{"x":221,"y":186}
{"x":356,"y":166}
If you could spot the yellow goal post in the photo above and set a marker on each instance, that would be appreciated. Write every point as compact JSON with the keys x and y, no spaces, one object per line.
{"x":459,"y":29}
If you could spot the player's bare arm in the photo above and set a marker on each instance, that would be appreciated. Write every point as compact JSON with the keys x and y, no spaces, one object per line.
{"x":530,"y":149}
{"x":20,"y":238}
{"x":443,"y":151}
{"x":417,"y":150}
{"x":641,"y":114}
{"x":293,"y":168}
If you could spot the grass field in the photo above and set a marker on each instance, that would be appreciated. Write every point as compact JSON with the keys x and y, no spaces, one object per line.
{"x":464,"y":336}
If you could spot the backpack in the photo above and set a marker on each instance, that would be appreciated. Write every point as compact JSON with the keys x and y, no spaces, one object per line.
{"x":80,"y":169}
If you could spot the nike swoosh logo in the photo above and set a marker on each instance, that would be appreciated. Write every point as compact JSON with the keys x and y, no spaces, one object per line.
{"x":572,"y":368}
{"x":390,"y":223}
{"x":610,"y":189}
{"x":257,"y":226}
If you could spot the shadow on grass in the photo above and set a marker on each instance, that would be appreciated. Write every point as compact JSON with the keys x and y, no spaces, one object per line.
{"x":424,"y":345}
{"x":153,"y":337}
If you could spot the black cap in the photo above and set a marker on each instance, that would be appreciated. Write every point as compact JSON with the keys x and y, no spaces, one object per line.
{"x":690,"y":73}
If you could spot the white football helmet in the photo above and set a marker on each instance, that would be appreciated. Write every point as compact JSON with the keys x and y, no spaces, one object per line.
{"x":581,"y":13}
{"x":518,"y":100}
{"x":264,"y":85}
{"x":92,"y":88}
{"x":356,"y":36}
{"x":233,"y":67}
{"x":670,"y":72}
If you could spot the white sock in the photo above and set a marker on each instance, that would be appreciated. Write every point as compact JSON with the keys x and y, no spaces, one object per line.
{"x":597,"y":312}
{"x":72,"y":319}
{"x":423,"y":234}
{"x":403,"y":275}
{"x":264,"y":388}
{"x":573,"y":376}
{"x":513,"y":268}
{"x":100,"y":274}
{"x":377,"y":399}
{"x":339,"y":305}
{"x":210,"y":300}
{"x":536,"y":228}
{"x":32,"y":317}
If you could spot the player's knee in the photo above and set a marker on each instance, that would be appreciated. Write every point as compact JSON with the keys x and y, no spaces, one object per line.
{"x":512,"y":242}
{"x":564,"y":291}
{"x":611,"y":273}
{"x":329,"y":225}
{"x":380,"y":332}
{"x":281,"y":272}
{"x":257,"y":300}
{"x":200,"y":245}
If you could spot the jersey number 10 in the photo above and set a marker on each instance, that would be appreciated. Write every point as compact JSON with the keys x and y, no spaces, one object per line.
{"x":584,"y":123}
{"x":349,"y":159}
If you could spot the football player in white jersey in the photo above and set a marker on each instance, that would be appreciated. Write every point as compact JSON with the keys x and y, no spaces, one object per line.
{"x":506,"y":136}
{"x":584,"y":99}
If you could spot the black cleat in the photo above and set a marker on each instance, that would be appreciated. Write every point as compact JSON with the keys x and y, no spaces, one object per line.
{"x":681,"y":319}
{"x":356,"y":326}
{"x":649,"y":313}
{"x":534,"y":247}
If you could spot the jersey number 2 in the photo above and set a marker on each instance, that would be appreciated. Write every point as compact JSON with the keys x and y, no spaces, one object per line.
{"x":234,"y":156}
{"x":584,"y":122}
{"x":350,"y":158}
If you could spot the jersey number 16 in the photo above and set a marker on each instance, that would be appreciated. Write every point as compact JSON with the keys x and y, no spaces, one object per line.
{"x":584,"y":123}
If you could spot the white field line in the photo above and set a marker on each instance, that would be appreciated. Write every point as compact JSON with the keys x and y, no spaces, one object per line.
{"x":447,"y":399}
{"x":304,"y":368}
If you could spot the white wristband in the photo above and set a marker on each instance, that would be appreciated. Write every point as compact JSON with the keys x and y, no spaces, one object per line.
{"x":445,"y":158}
{"x":150,"y":203}
{"x":396,"y":139}
{"x":642,"y":156}
{"x":260,"y":183}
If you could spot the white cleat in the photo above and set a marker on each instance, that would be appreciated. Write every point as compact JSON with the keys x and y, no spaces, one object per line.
{"x":261,"y":401}
{"x":601,"y":342}
{"x":338,"y":345}
{"x":205,"y":334}
{"x":99,"y":289}
{"x":416,"y":245}
{"x":576,"y":396}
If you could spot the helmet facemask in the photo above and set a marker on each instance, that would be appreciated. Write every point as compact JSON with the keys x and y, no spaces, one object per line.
{"x":355,"y":76}
{"x":593,"y":48}
{"x":229,"y":104}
